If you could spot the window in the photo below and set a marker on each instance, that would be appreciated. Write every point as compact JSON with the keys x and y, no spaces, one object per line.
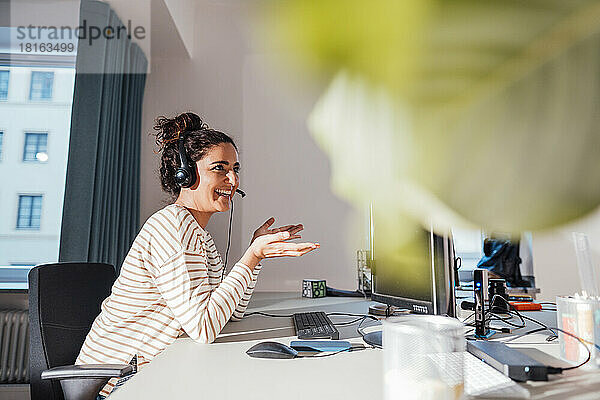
{"x":1,"y":139}
{"x":41,"y":85}
{"x":36,"y":147}
{"x":30,"y":212}
{"x":468,"y":245}
{"x":34,"y":116}
{"x":4,"y":85}
{"x":14,"y":275}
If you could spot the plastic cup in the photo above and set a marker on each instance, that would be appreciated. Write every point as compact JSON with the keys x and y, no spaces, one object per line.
{"x":423,"y":358}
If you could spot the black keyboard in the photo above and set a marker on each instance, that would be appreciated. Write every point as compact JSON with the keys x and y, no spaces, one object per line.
{"x":315,"y":325}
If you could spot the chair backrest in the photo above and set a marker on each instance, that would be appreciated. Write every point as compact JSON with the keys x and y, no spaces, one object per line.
{"x":64,"y":300}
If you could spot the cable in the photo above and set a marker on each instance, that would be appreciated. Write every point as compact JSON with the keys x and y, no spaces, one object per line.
{"x":513,"y":307}
{"x":350,"y":315}
{"x":347,"y":322}
{"x":228,"y":239}
{"x":468,"y":317}
{"x":554,"y":335}
{"x":523,"y":334}
{"x":326,"y":355}
{"x":555,"y":370}
{"x":582,"y":343}
{"x":358,"y":328}
{"x":350,"y":350}
{"x":361,"y":318}
{"x":507,"y":321}
{"x":267,"y":314}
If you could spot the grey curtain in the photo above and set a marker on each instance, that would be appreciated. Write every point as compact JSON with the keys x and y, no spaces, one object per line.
{"x":101,"y":206}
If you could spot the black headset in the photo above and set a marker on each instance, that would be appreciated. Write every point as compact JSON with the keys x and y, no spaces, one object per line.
{"x":185,"y":176}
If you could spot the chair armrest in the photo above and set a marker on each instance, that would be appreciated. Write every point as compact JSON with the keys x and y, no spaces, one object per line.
{"x":83,"y":382}
{"x":88,"y":371}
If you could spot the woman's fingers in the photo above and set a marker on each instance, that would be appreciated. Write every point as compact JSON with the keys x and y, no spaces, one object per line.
{"x":279,"y":237}
{"x":278,"y":245}
{"x":268,"y":223}
{"x":289,"y":249}
{"x":291,"y":228}
{"x":282,"y":228}
{"x":296,"y":228}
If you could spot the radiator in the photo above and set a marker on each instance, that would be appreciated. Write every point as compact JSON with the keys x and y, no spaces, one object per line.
{"x":14,"y":346}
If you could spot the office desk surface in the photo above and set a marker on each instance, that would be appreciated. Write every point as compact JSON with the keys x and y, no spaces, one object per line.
{"x":222,"y":370}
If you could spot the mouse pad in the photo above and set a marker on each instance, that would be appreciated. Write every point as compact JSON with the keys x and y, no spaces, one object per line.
{"x":320,"y":345}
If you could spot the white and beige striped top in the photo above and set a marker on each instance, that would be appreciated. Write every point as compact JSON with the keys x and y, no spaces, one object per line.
{"x":170,"y":283}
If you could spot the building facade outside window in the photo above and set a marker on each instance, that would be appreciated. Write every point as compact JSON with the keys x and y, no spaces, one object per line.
{"x":4,"y":75}
{"x":35,"y":117}
{"x":32,"y":131}
{"x":41,"y":85}
{"x":30,"y":212}
{"x":36,"y":147}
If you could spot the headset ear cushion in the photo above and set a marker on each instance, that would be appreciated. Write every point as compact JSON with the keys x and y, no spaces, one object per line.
{"x":182,"y":177}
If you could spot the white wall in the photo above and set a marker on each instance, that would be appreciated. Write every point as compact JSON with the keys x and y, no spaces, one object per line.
{"x":285,"y":175}
{"x":555,"y":264}
{"x":229,"y":81}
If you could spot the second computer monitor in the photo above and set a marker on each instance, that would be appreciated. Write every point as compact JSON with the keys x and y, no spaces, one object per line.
{"x":416,"y":273}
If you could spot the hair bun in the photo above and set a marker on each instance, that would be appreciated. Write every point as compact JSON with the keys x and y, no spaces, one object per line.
{"x":169,"y":129}
{"x":188,"y":122}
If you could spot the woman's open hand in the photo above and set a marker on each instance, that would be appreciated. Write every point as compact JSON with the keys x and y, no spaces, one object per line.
{"x":264,"y":230}
{"x":268,"y":243}
{"x":276,"y":245}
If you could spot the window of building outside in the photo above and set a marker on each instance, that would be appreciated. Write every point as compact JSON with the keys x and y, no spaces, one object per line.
{"x":32,"y":194}
{"x":29,"y":212}
{"x":36,"y":147}
{"x":3,"y":84}
{"x":468,"y":245}
{"x":41,"y":85}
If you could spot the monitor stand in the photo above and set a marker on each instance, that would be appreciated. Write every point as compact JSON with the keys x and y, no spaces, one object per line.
{"x":374,"y":339}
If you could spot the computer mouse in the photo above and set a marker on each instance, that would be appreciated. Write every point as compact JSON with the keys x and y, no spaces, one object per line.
{"x":271,"y":350}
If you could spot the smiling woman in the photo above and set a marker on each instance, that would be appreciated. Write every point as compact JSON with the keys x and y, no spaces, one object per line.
{"x":172,"y":281}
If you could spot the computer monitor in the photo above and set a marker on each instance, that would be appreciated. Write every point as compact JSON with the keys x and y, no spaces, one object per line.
{"x":418,"y":275}
{"x":413,"y":268}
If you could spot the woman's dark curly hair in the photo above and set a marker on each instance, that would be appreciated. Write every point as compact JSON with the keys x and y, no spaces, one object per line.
{"x":198,"y":140}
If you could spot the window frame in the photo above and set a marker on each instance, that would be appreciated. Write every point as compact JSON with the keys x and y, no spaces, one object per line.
{"x":38,"y":134}
{"x":28,"y":228}
{"x":41,"y":63}
{"x":31,"y":86}
{"x":7,"y":83}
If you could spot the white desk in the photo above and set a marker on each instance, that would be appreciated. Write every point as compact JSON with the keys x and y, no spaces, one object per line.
{"x":222,"y":370}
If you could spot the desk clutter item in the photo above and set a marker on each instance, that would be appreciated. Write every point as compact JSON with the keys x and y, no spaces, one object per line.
{"x":320,"y":345}
{"x":486,"y":381}
{"x":315,"y":325}
{"x":511,"y":362}
{"x":580,"y":316}
{"x":314,"y":288}
{"x":363,"y":270}
{"x":416,"y":350}
{"x":526,"y":306}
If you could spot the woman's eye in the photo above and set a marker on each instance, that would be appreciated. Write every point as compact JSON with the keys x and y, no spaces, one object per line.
{"x":218,"y":168}
{"x":236,"y":170}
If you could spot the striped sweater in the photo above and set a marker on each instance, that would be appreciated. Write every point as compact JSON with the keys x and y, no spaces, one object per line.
{"x":170,"y":283}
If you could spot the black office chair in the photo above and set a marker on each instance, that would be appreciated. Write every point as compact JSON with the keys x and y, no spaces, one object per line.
{"x":64,"y":300}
